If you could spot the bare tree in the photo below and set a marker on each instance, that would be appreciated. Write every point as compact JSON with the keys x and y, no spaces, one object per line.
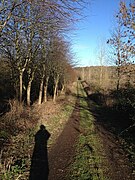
{"x":44,"y":73}
{"x":23,"y":24}
{"x":59,"y":59}
{"x":6,"y":11}
{"x":116,"y":43}
{"x":102,"y":59}
{"x":121,"y":42}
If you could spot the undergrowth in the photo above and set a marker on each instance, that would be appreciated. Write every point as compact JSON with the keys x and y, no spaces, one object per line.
{"x":18,"y":128}
{"x":16,"y":139}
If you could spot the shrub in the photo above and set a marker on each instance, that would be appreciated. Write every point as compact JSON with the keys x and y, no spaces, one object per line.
{"x":17,"y":128}
{"x":125,"y":101}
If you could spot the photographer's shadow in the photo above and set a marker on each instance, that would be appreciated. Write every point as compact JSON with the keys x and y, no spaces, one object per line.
{"x":39,"y":163}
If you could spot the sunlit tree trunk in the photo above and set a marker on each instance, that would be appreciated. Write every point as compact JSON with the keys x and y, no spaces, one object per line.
{"x":45,"y":89}
{"x":63,"y":87}
{"x":56,"y":80}
{"x":29,"y":89}
{"x":21,"y":82}
{"x":41,"y":91}
{"x":28,"y":93}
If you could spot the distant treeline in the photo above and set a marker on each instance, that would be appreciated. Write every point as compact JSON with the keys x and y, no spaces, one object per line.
{"x":106,"y":77}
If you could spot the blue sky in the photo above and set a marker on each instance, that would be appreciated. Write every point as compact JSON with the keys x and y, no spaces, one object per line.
{"x":96,"y":27}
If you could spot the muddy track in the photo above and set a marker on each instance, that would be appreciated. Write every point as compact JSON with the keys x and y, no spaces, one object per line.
{"x":62,"y":153}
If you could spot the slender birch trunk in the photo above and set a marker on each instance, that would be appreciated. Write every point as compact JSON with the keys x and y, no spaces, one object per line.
{"x":21,"y":71}
{"x":28,"y":93}
{"x":55,"y":88}
{"x":29,"y":89}
{"x":41,"y":91}
{"x":21,"y":82}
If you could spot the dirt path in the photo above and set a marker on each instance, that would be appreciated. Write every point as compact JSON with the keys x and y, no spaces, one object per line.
{"x":119,"y":167}
{"x":61,"y":154}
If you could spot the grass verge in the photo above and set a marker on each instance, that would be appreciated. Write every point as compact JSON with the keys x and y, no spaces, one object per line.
{"x":56,"y":123}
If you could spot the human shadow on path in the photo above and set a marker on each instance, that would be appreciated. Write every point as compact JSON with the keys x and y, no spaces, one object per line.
{"x":39,"y":163}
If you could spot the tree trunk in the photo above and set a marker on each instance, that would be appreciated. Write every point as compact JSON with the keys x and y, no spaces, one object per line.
{"x":21,"y":81}
{"x":31,"y":77}
{"x":55,"y":88}
{"x":63,"y":87}
{"x":118,"y":80}
{"x":28,"y":92}
{"x":41,"y":91}
{"x":45,"y":89}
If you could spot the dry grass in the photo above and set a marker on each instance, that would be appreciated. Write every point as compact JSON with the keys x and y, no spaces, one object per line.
{"x":55,"y":115}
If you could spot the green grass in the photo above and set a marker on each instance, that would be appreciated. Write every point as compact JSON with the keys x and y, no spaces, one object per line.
{"x":87,"y":164}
